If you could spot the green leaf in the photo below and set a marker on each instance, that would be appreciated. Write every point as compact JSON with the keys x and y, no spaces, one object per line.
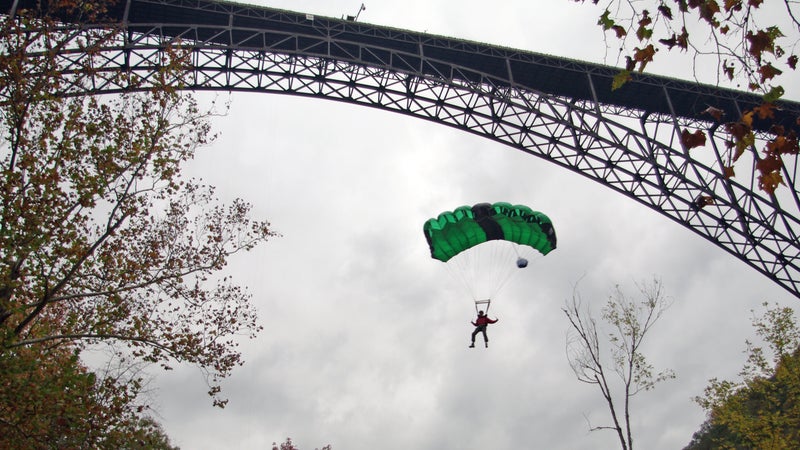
{"x":606,"y":21}
{"x":774,"y":94}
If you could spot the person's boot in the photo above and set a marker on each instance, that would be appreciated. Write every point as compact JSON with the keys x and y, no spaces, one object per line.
{"x":472,"y":345}
{"x":487,"y":344}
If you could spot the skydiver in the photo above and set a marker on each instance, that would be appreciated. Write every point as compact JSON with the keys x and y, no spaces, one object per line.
{"x":480,"y":324}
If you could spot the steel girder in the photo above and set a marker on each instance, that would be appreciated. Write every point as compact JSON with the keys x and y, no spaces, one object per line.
{"x":629,"y":142}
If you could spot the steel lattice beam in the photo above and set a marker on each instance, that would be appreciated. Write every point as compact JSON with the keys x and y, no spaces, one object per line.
{"x":557,"y":109}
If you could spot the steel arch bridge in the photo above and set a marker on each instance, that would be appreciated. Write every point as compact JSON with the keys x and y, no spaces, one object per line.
{"x":557,"y":109}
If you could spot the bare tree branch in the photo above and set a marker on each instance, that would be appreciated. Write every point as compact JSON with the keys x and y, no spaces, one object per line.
{"x":630,"y":321}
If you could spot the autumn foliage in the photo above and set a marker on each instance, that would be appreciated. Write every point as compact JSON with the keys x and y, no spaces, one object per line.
{"x":754,"y":42}
{"x":49,"y":399}
{"x":760,"y":410}
{"x":103,"y":241}
{"x":290,"y":445}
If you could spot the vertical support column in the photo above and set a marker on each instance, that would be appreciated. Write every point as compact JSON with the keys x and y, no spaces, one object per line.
{"x":124,"y":15}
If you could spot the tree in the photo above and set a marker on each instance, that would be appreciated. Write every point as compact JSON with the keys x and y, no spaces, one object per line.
{"x":762,"y":410}
{"x":49,"y":399}
{"x":630,"y":321}
{"x":142,"y":433}
{"x":289,"y":445}
{"x":753,"y":43}
{"x":102,"y":239}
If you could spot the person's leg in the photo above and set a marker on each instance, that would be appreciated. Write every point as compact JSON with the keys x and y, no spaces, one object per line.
{"x":485,"y":338}
{"x":474,"y":333}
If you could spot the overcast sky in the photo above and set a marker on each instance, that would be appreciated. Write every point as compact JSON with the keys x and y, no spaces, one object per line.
{"x":365,"y":336}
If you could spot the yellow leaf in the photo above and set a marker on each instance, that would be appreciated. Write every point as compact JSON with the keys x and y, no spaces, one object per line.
{"x":644,"y":55}
{"x":747,"y":118}
{"x":620,"y":78}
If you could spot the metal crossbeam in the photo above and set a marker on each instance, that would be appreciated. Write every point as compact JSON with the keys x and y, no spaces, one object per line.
{"x":557,"y":109}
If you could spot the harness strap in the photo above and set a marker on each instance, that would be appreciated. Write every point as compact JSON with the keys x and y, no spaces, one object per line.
{"x":487,"y":302}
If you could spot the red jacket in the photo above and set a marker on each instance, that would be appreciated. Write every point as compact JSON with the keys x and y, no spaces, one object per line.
{"x":483,"y":320}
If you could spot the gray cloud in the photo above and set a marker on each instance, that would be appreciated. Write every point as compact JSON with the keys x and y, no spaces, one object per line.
{"x":365,"y":336}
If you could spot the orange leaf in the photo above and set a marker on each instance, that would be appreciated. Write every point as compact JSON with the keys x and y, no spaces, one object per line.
{"x":769,"y":164}
{"x":768,"y":72}
{"x":728,"y":70}
{"x":644,"y":55}
{"x":747,"y":119}
{"x":728,"y":172}
{"x":737,"y":129}
{"x":764,"y":111}
{"x":683,"y":39}
{"x":770,"y":182}
{"x":692,"y":140}
{"x":735,"y":5}
{"x":708,"y":9}
{"x":783,"y":145}
{"x":759,"y":43}
{"x":774,"y":146}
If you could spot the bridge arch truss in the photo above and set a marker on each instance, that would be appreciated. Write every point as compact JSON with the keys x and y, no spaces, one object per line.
{"x":559,"y":110}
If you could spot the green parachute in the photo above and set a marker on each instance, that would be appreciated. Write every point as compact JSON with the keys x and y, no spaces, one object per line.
{"x":480,"y":243}
{"x":467,"y":226}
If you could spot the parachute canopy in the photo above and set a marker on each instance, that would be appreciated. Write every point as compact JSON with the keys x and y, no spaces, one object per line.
{"x":452,"y":232}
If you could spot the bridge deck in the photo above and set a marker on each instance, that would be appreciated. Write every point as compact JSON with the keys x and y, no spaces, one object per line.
{"x":261,"y":28}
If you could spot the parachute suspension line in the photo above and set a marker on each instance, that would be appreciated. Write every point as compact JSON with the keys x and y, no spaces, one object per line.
{"x":504,"y":262}
{"x":486,"y":270}
{"x":459,"y":271}
{"x":487,"y":302}
{"x":481,"y":271}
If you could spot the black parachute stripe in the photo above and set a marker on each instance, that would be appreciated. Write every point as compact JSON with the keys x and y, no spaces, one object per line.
{"x":484,"y":216}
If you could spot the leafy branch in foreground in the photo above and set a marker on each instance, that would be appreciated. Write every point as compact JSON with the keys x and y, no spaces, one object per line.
{"x":102,"y":238}
{"x":753,"y":43}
